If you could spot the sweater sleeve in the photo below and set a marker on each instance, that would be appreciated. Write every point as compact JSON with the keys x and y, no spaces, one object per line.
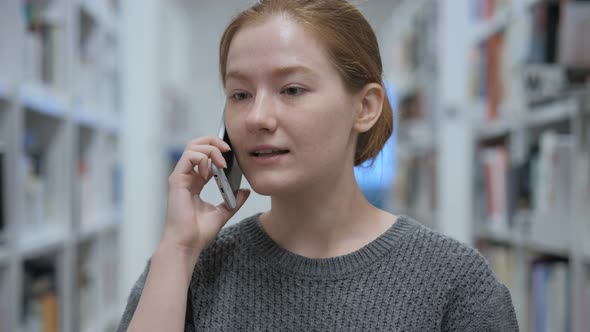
{"x":133,"y":300}
{"x":497,"y":315}
{"x":480,"y":304}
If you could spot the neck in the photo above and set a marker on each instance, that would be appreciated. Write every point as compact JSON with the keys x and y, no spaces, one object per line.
{"x":327,"y":220}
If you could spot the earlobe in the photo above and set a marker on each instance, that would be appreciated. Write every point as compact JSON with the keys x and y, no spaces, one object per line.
{"x":371,"y":105}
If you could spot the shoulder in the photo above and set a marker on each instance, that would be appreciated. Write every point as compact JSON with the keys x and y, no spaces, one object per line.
{"x":455,"y":268}
{"x":474,"y":295}
{"x":460,"y":262}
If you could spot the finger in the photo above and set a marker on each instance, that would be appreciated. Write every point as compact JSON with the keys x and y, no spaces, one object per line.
{"x":212,"y":152}
{"x":226,"y":213}
{"x":204,"y":168}
{"x":211,"y":140}
{"x":188,"y":161}
{"x":196,"y":184}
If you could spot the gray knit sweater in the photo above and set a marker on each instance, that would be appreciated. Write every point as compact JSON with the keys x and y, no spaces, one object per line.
{"x":408,"y":279}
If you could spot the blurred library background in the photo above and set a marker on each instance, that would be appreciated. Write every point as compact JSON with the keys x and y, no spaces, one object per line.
{"x":99,"y":97}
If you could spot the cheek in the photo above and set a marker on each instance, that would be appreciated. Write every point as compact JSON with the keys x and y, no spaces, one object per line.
{"x":327,"y":133}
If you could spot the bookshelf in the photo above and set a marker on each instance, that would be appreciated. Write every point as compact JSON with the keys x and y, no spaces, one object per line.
{"x":413,"y":71}
{"x":60,"y":174}
{"x":507,"y":120}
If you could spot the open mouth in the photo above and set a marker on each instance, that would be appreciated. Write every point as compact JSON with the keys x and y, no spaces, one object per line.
{"x":268,"y":153}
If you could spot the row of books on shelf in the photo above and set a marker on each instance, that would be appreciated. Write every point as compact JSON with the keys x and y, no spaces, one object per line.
{"x":41,"y":196}
{"x":95,"y":289}
{"x":98,"y":62}
{"x":40,"y":295}
{"x":44,"y":41}
{"x":45,"y":51}
{"x":96,"y":279}
{"x":416,"y":48}
{"x":543,"y":184}
{"x":553,"y":60}
{"x":540,"y":287}
{"x":415,"y":186}
{"x":87,"y":283}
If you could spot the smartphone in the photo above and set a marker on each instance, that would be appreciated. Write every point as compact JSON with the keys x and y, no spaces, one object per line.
{"x":228,"y":179}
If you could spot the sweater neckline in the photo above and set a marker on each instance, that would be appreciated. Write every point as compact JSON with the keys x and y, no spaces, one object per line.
{"x":271,"y":253}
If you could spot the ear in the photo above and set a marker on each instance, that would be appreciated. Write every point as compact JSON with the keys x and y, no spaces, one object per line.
{"x":370,"y":100}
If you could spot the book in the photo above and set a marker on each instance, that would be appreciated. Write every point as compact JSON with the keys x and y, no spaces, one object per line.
{"x":551,"y":190}
{"x":489,"y":81}
{"x":493,"y":169}
{"x":86,"y":286}
{"x":44,"y":43}
{"x":575,"y":23}
{"x":86,"y":197}
{"x":549,"y":296}
{"x":545,"y":33}
{"x":34,"y":166}
{"x":414,"y":188}
{"x":40,"y":299}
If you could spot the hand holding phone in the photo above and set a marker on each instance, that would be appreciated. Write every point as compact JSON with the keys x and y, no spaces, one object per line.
{"x":191,"y":222}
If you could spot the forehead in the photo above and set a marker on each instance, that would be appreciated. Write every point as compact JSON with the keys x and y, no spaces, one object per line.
{"x":275,"y":43}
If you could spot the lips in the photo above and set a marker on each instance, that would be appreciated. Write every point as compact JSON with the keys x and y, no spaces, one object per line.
{"x":267,"y":151}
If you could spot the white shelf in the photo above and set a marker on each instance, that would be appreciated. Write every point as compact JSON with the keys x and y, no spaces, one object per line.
{"x":460,"y":133}
{"x":492,"y":26}
{"x":551,"y":113}
{"x":514,"y":240}
{"x":39,"y":99}
{"x":97,"y":229}
{"x":41,"y":239}
{"x":87,"y":117}
{"x":501,"y":20}
{"x":46,"y":113}
{"x":90,"y":117}
{"x":537,"y":116}
{"x":492,"y":130}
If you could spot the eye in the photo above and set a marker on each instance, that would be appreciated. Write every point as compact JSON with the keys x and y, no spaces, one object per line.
{"x":238,"y":96}
{"x":293,"y":90}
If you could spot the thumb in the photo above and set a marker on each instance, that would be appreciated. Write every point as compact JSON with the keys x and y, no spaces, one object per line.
{"x":226,"y":213}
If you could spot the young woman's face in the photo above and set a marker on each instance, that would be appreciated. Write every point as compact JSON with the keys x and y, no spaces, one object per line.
{"x":288,"y":113}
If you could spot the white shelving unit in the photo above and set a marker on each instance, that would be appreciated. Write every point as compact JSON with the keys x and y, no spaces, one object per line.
{"x":531,"y":236}
{"x":412,"y":72}
{"x":57,"y":138}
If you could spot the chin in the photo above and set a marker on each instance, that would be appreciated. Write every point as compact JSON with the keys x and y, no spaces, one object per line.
{"x":272,"y":185}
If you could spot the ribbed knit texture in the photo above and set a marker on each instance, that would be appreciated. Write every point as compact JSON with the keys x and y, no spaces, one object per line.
{"x":408,"y":279}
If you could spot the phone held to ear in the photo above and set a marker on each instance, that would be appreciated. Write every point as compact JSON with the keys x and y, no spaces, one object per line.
{"x":228,"y":179}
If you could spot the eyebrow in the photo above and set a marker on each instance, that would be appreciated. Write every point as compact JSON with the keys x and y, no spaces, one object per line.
{"x":280,"y":72}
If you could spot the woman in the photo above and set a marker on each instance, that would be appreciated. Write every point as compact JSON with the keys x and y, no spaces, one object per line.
{"x":304,"y":105}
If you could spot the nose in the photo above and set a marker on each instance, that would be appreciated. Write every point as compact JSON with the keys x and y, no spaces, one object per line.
{"x":261,"y":116}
